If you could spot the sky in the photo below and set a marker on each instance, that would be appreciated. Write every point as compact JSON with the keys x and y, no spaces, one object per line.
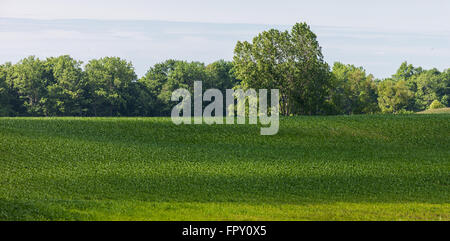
{"x":377,"y":35}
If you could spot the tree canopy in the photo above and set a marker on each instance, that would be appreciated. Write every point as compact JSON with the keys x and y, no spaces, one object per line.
{"x":290,"y":61}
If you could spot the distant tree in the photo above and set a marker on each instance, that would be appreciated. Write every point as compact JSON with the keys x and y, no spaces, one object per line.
{"x":66,"y":91}
{"x":183,"y":76}
{"x":140,"y":101}
{"x":427,"y":85}
{"x":108,"y":81}
{"x":164,"y":78}
{"x":31,"y":79}
{"x":5,"y":108}
{"x":406,"y":71}
{"x":394,"y":96}
{"x":154,"y":81}
{"x":289,"y":61}
{"x":446,"y":87}
{"x":221,"y":75}
{"x":431,"y":85}
{"x":353,"y":92}
{"x":10,"y":104}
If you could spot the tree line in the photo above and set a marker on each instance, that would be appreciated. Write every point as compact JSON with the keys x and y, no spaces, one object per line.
{"x":290,"y":61}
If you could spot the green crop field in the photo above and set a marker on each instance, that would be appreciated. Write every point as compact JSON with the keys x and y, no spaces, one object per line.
{"x":368,"y":167}
{"x":436,"y":111}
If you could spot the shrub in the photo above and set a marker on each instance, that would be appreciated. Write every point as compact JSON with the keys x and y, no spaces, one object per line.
{"x":436,"y":105}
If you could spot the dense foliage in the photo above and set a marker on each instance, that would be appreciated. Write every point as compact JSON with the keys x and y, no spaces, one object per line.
{"x":105,"y":87}
{"x":290,"y":61}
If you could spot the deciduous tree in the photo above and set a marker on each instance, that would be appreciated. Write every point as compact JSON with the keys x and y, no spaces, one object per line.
{"x":289,"y":61}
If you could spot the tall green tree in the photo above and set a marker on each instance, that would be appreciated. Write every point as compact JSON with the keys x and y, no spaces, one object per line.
{"x":10,"y":104}
{"x":406,"y":71}
{"x":66,"y":91}
{"x":162,"y":79}
{"x":353,"y":91}
{"x":154,"y":81}
{"x":429,"y":86}
{"x":446,"y":87}
{"x":221,"y":75}
{"x":140,"y":101}
{"x":31,"y":79}
{"x":289,"y":61}
{"x":394,"y":96}
{"x":108,"y":81}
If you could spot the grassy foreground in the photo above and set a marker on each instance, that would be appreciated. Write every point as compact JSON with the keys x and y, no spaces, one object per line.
{"x":316,"y":168}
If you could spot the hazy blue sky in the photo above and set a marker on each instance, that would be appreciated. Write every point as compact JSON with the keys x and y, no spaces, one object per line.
{"x":378,"y":35}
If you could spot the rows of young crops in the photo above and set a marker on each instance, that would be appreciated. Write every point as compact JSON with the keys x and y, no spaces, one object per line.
{"x":345,"y":167}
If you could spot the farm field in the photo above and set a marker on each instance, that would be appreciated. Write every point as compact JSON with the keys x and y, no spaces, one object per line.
{"x":436,"y":111}
{"x":362,"y":167}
